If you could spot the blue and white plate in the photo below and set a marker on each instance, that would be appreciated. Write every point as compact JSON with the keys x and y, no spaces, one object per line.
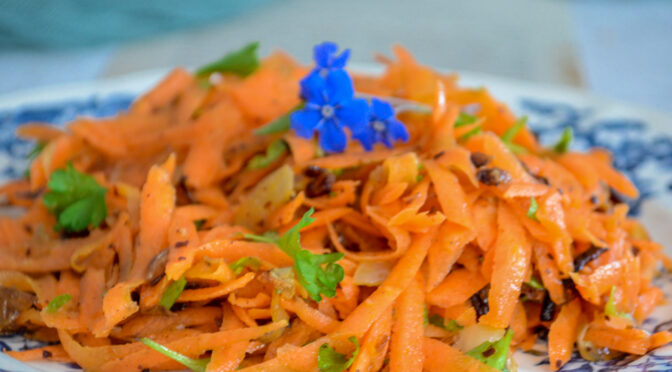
{"x":640,"y":140}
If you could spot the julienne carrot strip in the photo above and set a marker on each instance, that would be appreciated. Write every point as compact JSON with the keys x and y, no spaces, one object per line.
{"x":207,"y":175}
{"x":511,"y":258}
{"x":563,"y":333}
{"x":406,"y":352}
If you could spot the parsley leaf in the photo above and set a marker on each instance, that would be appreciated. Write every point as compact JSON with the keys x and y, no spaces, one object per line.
{"x":172,"y":293}
{"x":610,"y":307}
{"x":464,"y":119}
{"x":510,"y":133}
{"x":244,"y":262}
{"x":58,"y":302}
{"x":241,"y":62}
{"x":329,"y":360}
{"x":76,"y":199}
{"x":199,"y":224}
{"x":280,"y":124}
{"x":493,"y":354}
{"x":196,"y":365}
{"x":450,"y":326}
{"x":532,"y":211}
{"x":273,"y":152}
{"x":565,"y":140}
{"x":319,"y":274}
{"x":535,"y":283}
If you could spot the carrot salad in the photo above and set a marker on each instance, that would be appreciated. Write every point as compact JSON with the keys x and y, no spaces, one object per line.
{"x":262,"y":215}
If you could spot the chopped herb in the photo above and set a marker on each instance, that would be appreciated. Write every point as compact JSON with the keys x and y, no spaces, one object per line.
{"x":464,"y":119}
{"x":76,"y":199}
{"x":172,"y":293}
{"x":535,"y":283}
{"x":319,"y":274}
{"x":451,"y":325}
{"x":280,"y":124}
{"x":199,"y":224}
{"x":58,"y":302}
{"x":565,"y":141}
{"x":510,"y":133}
{"x":419,"y":178}
{"x":273,"y":152}
{"x":494,"y":354}
{"x":332,"y":194}
{"x":36,"y":150}
{"x":532,"y":211}
{"x":241,"y":264}
{"x":196,"y":365}
{"x":329,"y":360}
{"x":610,"y":307}
{"x":242,"y":62}
{"x":476,"y":130}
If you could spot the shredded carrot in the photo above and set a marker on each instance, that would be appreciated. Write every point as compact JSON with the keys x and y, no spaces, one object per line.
{"x":199,"y":248}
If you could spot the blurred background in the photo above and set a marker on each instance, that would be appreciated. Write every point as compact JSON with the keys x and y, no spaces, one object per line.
{"x":616,"y":48}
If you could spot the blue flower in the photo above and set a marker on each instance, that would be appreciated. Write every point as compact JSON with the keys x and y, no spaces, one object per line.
{"x":382,"y":127}
{"x":329,"y":107}
{"x":326,"y":59}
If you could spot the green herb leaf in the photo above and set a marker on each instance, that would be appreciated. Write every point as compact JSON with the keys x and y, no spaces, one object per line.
{"x":319,"y":274}
{"x":610,"y":307}
{"x":199,"y":224}
{"x":535,"y":283}
{"x":476,"y":130}
{"x":495,"y":353}
{"x":196,"y":365}
{"x":35,"y":151}
{"x":76,"y":199}
{"x":280,"y":124}
{"x":244,"y":262}
{"x":565,"y":141}
{"x":510,"y":133}
{"x":464,"y":119}
{"x":58,"y":302}
{"x":172,"y":293}
{"x":532,"y":211}
{"x":273,"y":152}
{"x":329,"y":360}
{"x":241,"y":62}
{"x":451,"y":325}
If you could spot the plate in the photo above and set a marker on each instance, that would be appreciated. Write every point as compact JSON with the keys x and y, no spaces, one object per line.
{"x":639,"y":138}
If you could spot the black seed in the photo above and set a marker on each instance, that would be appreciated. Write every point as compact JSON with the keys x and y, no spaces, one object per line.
{"x":313,"y":171}
{"x":46,"y":354}
{"x":547,"y":308}
{"x":488,"y":352}
{"x":480,"y":301}
{"x":542,"y":179}
{"x":558,"y":363}
{"x":493,"y":176}
{"x":320,"y":185}
{"x":594,"y":200}
{"x":542,"y":332}
{"x":156,"y":267}
{"x":590,"y":254}
{"x":181,"y":244}
{"x":479,"y":159}
{"x":438,"y":154}
{"x":635,"y":251}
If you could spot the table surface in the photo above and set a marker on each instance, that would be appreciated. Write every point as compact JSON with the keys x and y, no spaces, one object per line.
{"x":618,"y":49}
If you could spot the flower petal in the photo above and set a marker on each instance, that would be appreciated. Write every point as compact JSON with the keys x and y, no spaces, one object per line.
{"x":332,"y":137}
{"x":313,"y":88}
{"x":322,"y":53}
{"x":339,"y":87}
{"x":366,"y":136}
{"x":397,"y":131}
{"x":304,"y":122}
{"x":381,"y":110}
{"x":341,"y":60}
{"x":353,"y":113}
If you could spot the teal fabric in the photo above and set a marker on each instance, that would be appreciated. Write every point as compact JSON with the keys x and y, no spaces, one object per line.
{"x":72,"y":23}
